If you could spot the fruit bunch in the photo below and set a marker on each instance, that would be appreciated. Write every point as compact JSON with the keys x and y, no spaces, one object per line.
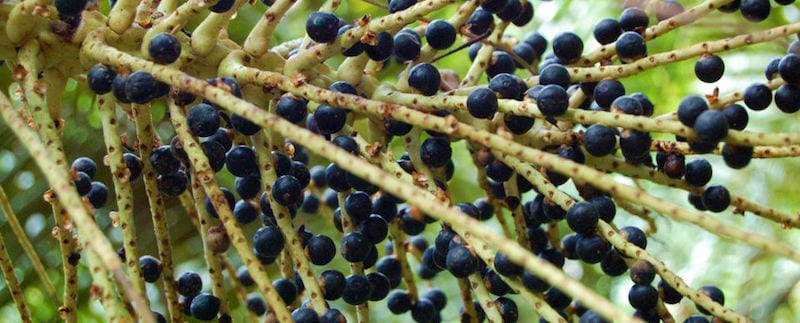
{"x":322,"y":192}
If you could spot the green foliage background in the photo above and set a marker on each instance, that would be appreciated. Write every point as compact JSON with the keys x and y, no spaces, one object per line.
{"x":757,"y":285}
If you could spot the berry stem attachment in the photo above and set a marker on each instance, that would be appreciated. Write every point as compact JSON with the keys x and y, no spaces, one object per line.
{"x":146,"y":138}
{"x":205,"y":175}
{"x":120,"y":174}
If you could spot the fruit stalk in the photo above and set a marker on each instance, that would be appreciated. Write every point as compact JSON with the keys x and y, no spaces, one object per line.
{"x":120,"y":174}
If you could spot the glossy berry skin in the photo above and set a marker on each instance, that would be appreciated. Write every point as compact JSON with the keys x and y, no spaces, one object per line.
{"x":189,"y":284}
{"x":406,"y":47}
{"x":630,"y":46}
{"x":248,"y":187}
{"x":286,"y":289}
{"x":698,"y":172}
{"x":709,"y":69}
{"x":737,"y":157}
{"x":787,"y":98}
{"x":357,"y":290}
{"x":435,"y":151}
{"x":222,"y":6}
{"x":696,"y":319}
{"x":757,"y":96}
{"x":517,"y":124}
{"x":322,"y":27}
{"x":355,"y":247}
{"x":504,"y":266}
{"x":305,"y":315}
{"x":332,"y":316}
{"x":150,"y":267}
{"x":537,"y":41}
{"x":399,"y":302}
{"x":511,"y":11}
{"x":118,"y":88}
{"x":509,"y":86}
{"x":268,"y":241}
{"x":644,"y":101}
{"x":508,"y":309}
{"x":582,"y":217}
{"x":291,"y":108}
{"x":330,"y":119}
{"x":633,"y":19}
{"x":480,"y":22}
{"x":83,"y":183}
{"x":332,"y":283}
{"x":100,"y":79}
{"x":568,"y":47}
{"x":241,"y":161}
{"x":70,"y":7}
{"x":635,"y":144}
{"x":526,"y":16}
{"x":86,"y":165}
{"x":223,"y":138}
{"x":606,"y":209}
{"x":755,"y":10}
{"x":500,"y":62}
{"x":482,"y":103}
{"x":690,"y":108}
{"x":379,"y":286}
{"x":205,"y":307}
{"x":697,"y":202}
{"x":382,"y":49}
{"x":789,"y":68}
{"x":493,"y":6}
{"x":245,"y":212}
{"x":643,"y":297}
{"x":423,"y":310}
{"x":627,"y":105}
{"x":715,"y":294}
{"x":287,"y":190}
{"x":642,"y":272}
{"x":614,"y":264}
{"x":533,"y":282}
{"x":772,"y":68}
{"x":244,"y":126}
{"x":140,"y":87}
{"x":399,"y":5}
{"x":440,"y":34}
{"x":203,"y":120}
{"x":164,"y":48}
{"x":256,"y":304}
{"x":320,"y":250}
{"x":634,"y":235}
{"x":716,"y":198}
{"x":358,"y":206}
{"x":98,"y":195}
{"x":592,"y":248}
{"x":525,"y":52}
{"x":606,"y":91}
{"x":460,"y":261}
{"x":599,"y":140}
{"x":374,"y":228}
{"x":607,"y":31}
{"x":711,"y":126}
{"x":425,"y":78}
{"x":557,"y":299}
{"x":668,"y":294}
{"x":553,"y":100}
{"x":737,"y":116}
{"x":555,"y":74}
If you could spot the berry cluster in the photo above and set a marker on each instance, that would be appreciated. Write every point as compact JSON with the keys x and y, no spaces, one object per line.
{"x":338,"y":191}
